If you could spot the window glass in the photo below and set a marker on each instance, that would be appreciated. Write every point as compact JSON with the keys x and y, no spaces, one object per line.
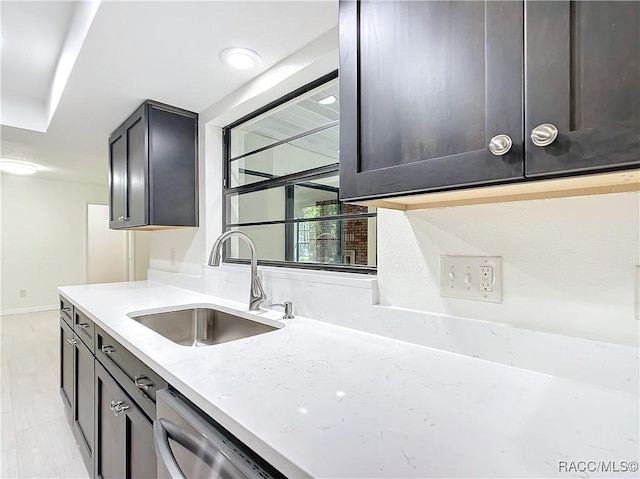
{"x":282,"y":186}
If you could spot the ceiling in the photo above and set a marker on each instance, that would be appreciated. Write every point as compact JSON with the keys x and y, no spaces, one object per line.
{"x":131,"y":51}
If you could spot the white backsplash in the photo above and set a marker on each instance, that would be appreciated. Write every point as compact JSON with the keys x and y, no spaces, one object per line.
{"x":350,"y":301}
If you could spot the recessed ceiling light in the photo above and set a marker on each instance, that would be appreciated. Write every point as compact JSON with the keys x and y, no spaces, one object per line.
{"x":16,"y":167}
{"x":240,"y":58}
{"x":328,"y":101}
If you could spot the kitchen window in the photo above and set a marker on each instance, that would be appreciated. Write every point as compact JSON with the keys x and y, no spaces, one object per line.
{"x":281,"y":186}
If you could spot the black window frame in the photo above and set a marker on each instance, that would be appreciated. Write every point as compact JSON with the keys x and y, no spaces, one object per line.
{"x":287,"y":181}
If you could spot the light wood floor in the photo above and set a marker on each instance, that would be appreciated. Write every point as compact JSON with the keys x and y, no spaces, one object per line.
{"x":36,"y":438}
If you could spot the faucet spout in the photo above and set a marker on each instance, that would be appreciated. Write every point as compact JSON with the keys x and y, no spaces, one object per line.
{"x":256,"y":293}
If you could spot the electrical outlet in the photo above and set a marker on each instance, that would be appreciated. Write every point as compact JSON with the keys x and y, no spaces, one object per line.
{"x":486,"y":278}
{"x":471,"y":277}
{"x":22,"y":293}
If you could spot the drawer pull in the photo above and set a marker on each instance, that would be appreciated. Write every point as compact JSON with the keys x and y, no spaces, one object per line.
{"x":141,"y":385}
{"x":114,"y":404}
{"x":66,"y":310}
{"x":84,"y":325}
{"x":71,"y":342}
{"x":107,"y":349}
{"x":119,"y":408}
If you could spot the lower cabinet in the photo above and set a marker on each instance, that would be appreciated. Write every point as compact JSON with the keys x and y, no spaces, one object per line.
{"x":109,"y":398}
{"x":124,"y":435}
{"x":66,"y":367}
{"x":76,"y":388}
{"x":83,"y":415}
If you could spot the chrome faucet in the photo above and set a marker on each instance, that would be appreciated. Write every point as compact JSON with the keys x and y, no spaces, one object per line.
{"x":256,"y":294}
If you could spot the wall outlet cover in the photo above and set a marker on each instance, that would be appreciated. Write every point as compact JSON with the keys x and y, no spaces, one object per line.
{"x":471,"y":277}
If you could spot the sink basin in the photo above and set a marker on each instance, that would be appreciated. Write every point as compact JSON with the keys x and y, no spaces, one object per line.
{"x":201,"y":326}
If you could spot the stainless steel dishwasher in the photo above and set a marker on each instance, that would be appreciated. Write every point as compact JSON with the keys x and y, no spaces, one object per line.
{"x":191,"y":445}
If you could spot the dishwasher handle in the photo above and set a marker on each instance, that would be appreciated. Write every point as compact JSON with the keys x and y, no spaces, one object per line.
{"x":163,"y":430}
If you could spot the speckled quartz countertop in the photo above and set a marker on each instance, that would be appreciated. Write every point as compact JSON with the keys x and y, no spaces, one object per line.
{"x":319,"y":400}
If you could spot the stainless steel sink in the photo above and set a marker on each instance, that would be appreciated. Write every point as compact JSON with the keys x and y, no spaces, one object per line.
{"x":201,"y":326}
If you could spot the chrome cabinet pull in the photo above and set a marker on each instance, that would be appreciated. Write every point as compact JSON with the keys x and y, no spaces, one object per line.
{"x":141,"y":385}
{"x":84,"y":325}
{"x":544,"y":135}
{"x":500,"y":145}
{"x":123,"y":218}
{"x":71,"y":342}
{"x":117,"y":407}
{"x":66,"y":310}
{"x":107,"y":349}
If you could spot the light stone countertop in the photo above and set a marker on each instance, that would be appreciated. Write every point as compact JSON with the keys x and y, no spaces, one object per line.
{"x":319,"y":400}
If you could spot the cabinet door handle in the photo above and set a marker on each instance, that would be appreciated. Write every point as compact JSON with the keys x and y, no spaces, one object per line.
{"x":544,"y":135}
{"x":84,"y":325}
{"x":114,"y":404}
{"x":141,"y":385}
{"x":500,"y":145}
{"x":119,"y":408}
{"x":66,"y":310}
{"x":107,"y":349}
{"x":123,"y":218}
{"x":71,"y":342}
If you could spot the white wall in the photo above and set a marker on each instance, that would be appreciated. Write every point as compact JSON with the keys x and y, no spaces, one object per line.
{"x":568,"y":264}
{"x":43,"y":238}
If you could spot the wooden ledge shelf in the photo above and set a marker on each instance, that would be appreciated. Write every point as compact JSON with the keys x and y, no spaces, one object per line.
{"x":600,"y":184}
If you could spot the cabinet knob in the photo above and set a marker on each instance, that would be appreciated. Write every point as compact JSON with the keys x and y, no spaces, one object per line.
{"x":500,"y":144}
{"x":544,"y":135}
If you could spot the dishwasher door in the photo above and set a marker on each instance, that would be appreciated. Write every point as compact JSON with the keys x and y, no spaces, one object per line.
{"x":190,"y":446}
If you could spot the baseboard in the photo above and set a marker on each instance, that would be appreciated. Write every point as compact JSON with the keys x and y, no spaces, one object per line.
{"x":36,"y":309}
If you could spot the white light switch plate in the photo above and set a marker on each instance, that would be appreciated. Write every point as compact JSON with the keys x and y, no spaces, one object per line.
{"x":471,"y":277}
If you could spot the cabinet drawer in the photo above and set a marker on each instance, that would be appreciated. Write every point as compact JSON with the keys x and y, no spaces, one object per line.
{"x":136,"y":378}
{"x":84,"y":328}
{"x":66,"y":310}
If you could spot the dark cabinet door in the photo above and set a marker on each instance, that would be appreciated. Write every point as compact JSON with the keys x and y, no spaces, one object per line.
{"x":136,"y":140}
{"x":66,"y":367}
{"x":424,"y":87}
{"x":118,"y":202}
{"x":583,"y":77}
{"x":110,"y":430}
{"x":141,"y":454}
{"x":124,"y":435}
{"x":83,"y":410}
{"x":128,"y":173}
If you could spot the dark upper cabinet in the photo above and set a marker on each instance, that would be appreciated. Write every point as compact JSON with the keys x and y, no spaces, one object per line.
{"x":424,"y":87}
{"x":153,"y":172}
{"x":429,"y":91}
{"x":583,"y":77}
